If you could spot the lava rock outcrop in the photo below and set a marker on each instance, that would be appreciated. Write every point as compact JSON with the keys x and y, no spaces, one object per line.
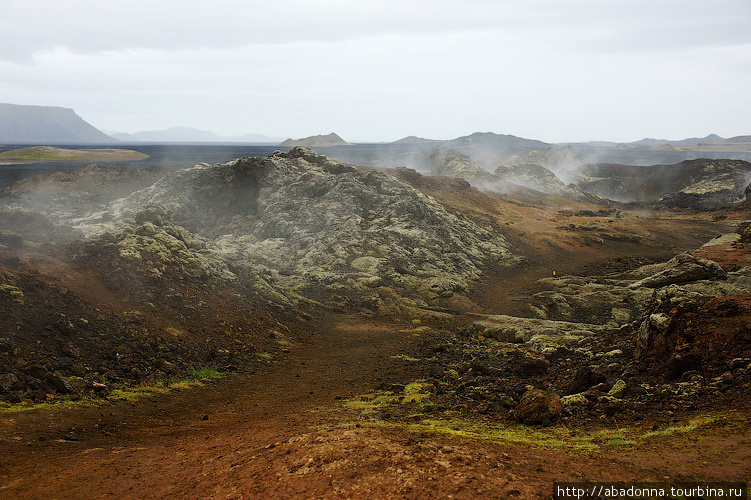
{"x":449,"y":163}
{"x":701,"y":184}
{"x":297,"y":220}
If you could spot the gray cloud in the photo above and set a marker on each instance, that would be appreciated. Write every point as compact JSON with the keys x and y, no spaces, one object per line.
{"x":86,"y":26}
{"x":380,"y":70}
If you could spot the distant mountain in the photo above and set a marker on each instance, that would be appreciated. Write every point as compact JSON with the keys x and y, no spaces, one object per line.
{"x":189,"y":134}
{"x":482,"y":147}
{"x":651,"y":143}
{"x":21,"y":124}
{"x":487,"y":148}
{"x":496,"y":140}
{"x":712,"y":142}
{"x":316,"y":141}
{"x":415,"y":140}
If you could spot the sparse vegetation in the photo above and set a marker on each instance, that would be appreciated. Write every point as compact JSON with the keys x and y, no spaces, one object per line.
{"x":13,"y":292}
{"x":689,"y":426}
{"x":174,"y":331}
{"x":48,"y":153}
{"x":381,"y":400}
{"x":59,"y":404}
{"x":127,"y":393}
{"x":405,"y":357}
{"x":207,"y":374}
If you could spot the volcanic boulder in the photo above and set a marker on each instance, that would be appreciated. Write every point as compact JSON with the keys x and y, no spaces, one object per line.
{"x":683,"y":268}
{"x":538,"y":407}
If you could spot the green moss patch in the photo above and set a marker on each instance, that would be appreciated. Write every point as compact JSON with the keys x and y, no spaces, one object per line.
{"x":13,"y":292}
{"x":381,"y":405}
{"x":129,"y":393}
{"x":378,"y":401}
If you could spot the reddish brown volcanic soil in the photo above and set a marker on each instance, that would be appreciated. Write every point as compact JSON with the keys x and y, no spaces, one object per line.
{"x":283,"y":431}
{"x":283,"y":434}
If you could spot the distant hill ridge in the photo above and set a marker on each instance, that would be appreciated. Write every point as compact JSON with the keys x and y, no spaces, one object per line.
{"x":319,"y":141}
{"x":22,"y":124}
{"x":52,"y":125}
{"x":712,"y":142}
{"x":190,"y":134}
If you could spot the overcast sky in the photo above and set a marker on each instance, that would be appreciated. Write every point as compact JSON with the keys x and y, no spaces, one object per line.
{"x":379,"y":70}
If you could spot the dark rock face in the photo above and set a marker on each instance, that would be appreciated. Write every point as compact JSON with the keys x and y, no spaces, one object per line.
{"x":538,"y":406}
{"x":680,"y":363}
{"x":698,"y":184}
{"x":11,"y":240}
{"x":7,"y":382}
{"x":585,"y":378}
{"x":710,"y":329}
{"x":541,"y":179}
{"x":22,"y":226}
{"x":525,"y":365}
{"x":701,"y":200}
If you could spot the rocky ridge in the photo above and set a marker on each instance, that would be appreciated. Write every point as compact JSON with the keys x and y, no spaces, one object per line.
{"x":296,"y":220}
{"x":699,"y":184}
{"x":668,"y":336}
{"x":513,"y":177}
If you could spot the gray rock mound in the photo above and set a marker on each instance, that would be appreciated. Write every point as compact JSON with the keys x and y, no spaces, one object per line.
{"x":449,"y":163}
{"x":683,"y":268}
{"x":618,"y":301}
{"x":306,"y":222}
{"x":538,"y":332}
{"x":518,"y":178}
{"x":319,"y":223}
{"x":541,"y":179}
{"x":556,"y":159}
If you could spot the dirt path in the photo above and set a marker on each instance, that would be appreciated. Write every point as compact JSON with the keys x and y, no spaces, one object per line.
{"x":353,"y":356}
{"x":282,"y":434}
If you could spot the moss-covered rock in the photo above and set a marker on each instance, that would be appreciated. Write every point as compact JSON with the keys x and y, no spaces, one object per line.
{"x":15,"y":293}
{"x":156,"y":238}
